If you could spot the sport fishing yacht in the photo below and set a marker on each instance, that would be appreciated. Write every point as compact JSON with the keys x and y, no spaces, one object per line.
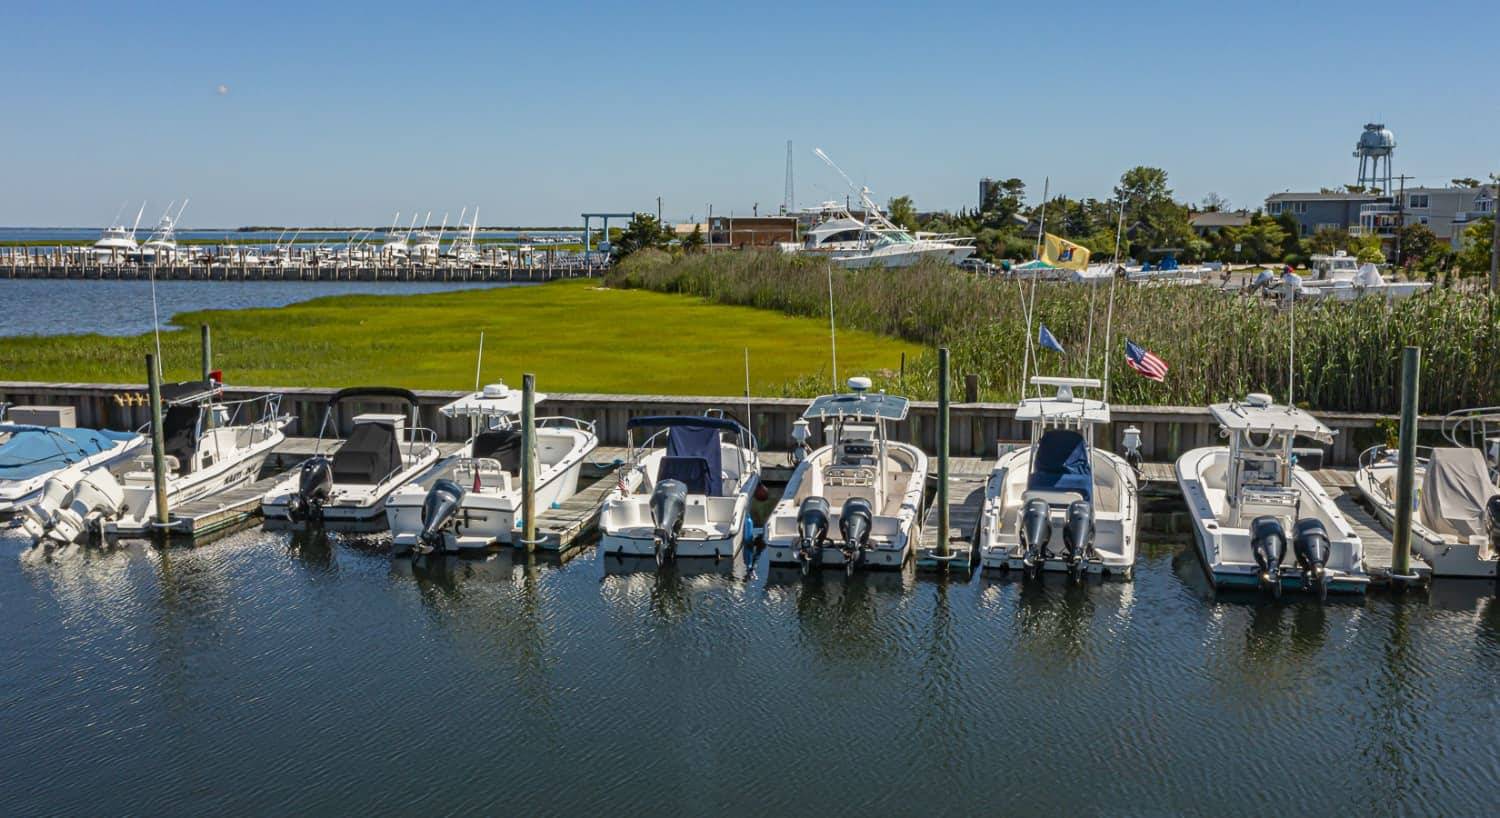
{"x":117,"y":243}
{"x":685,"y":492}
{"x":854,"y":243}
{"x":210,"y":445}
{"x":480,"y":505}
{"x":1251,"y":499}
{"x":161,"y":245}
{"x":1061,"y":503}
{"x":383,"y":452}
{"x":856,"y":500}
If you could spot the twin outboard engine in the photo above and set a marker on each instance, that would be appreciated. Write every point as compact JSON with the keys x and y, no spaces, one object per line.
{"x":855,"y":521}
{"x":1310,"y":544}
{"x":812,"y":532}
{"x":1078,"y":535}
{"x":314,"y":486}
{"x":65,"y":514}
{"x":668,"y":505}
{"x":1492,"y":522}
{"x":1268,"y":543}
{"x":438,"y":510}
{"x":1036,"y":530}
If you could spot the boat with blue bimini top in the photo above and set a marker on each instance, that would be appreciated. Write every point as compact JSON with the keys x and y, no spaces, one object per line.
{"x":857,"y":500}
{"x":31,"y":455}
{"x":1061,"y":504}
{"x":685,"y":491}
{"x":481,"y":505}
{"x":1250,"y":500}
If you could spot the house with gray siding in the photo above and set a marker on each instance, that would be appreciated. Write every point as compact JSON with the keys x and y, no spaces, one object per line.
{"x":1315,"y":211}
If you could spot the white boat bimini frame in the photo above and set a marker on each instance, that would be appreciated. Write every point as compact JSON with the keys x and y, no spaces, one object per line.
{"x":686,"y":490}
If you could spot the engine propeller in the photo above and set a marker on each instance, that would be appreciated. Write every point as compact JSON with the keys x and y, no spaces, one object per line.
{"x":314,"y":486}
{"x":1268,"y":543}
{"x":1311,"y":547}
{"x":668,"y":505}
{"x":1078,"y":535}
{"x":1036,"y":530}
{"x":812,"y":532}
{"x":855,"y":521}
{"x":438,"y":510}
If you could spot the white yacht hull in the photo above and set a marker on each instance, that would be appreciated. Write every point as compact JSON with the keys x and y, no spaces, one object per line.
{"x":349,"y":503}
{"x":137,"y":516}
{"x":701,"y":537}
{"x":16,"y":495}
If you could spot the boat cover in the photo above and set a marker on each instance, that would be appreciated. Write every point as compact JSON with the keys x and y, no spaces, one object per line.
{"x":371,"y":452}
{"x":1061,"y":463}
{"x":686,"y":443}
{"x":1454,"y":492}
{"x":503,"y":445}
{"x":180,"y":434}
{"x":37,"y":450}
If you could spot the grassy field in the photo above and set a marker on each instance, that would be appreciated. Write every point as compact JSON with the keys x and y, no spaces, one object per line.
{"x":576,"y":337}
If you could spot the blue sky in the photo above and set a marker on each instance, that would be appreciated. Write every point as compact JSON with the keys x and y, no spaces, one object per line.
{"x":345,"y":113}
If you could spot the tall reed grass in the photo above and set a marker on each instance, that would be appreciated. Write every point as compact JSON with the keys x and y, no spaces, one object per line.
{"x":1219,"y":345}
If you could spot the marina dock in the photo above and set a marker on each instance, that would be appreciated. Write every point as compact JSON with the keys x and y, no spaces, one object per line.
{"x":15,"y":263}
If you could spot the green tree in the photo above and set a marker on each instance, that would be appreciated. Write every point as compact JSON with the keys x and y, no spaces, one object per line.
{"x":1466,"y":181}
{"x":1328,"y":240}
{"x":643,"y":231}
{"x":1474,"y":255}
{"x":1262,"y":240}
{"x":1157,"y":220}
{"x":901,"y":211}
{"x":693,"y":241}
{"x":1002,"y":201}
{"x":1417,"y":242}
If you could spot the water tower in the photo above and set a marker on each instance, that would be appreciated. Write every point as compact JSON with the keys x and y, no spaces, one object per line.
{"x":1373,"y":151}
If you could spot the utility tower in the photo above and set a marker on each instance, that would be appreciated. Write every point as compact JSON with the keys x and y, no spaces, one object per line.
{"x":789,"y":195}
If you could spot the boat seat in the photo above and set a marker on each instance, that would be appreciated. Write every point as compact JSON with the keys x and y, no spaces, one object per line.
{"x":1061,"y":464}
{"x":690,"y":471}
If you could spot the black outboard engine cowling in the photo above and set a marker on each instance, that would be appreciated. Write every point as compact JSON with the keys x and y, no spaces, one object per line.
{"x":1036,"y":530}
{"x":1311,"y":547}
{"x":855,"y":520}
{"x":668,"y":505}
{"x":1078,"y":533}
{"x":314,"y":485}
{"x":438,"y":510}
{"x":1492,"y":522}
{"x":812,"y":531}
{"x":1268,"y":543}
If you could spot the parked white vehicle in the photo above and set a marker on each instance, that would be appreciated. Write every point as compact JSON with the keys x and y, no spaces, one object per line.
{"x":210,"y":446}
{"x":481,"y":505}
{"x":1061,"y":503}
{"x":1251,"y":499}
{"x":685,"y":492}
{"x":383,"y":452}
{"x":856,"y":500}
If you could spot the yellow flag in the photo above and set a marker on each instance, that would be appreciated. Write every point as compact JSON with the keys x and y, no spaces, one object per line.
{"x":1059,"y":252}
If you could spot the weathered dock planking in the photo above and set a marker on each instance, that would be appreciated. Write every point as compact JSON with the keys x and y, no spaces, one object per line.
{"x":966,"y":490}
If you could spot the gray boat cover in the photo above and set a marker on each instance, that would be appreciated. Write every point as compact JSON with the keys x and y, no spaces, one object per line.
{"x":1454,"y":492}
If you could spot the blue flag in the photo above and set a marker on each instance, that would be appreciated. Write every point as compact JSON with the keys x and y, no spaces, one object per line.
{"x":1048,"y":340}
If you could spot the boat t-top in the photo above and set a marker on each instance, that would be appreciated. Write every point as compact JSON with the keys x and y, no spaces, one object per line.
{"x":856,"y":500}
{"x":162,"y":243}
{"x":478,"y":503}
{"x":1251,"y":499}
{"x":1455,"y":523}
{"x":117,"y":242}
{"x":1061,"y":503}
{"x":685,"y":491}
{"x":31,"y":455}
{"x":349,"y":480}
{"x":210,"y":445}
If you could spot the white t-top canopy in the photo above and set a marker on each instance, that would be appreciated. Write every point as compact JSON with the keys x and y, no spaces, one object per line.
{"x":1258,"y":414}
{"x":1064,"y":405}
{"x":495,"y":400}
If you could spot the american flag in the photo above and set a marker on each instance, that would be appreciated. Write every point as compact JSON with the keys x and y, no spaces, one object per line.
{"x":1142,"y":360}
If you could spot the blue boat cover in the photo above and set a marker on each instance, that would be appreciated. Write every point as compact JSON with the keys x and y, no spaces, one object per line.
{"x":1061,"y":463}
{"x":37,"y":450}
{"x":695,"y":443}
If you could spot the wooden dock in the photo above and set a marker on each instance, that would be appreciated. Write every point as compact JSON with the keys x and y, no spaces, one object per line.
{"x":967,"y":479}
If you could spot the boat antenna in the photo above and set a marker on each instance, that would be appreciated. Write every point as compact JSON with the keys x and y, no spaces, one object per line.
{"x":119,"y":213}
{"x":1110,"y":314}
{"x":479,"y":361}
{"x":1031,"y":310}
{"x":747,"y":385}
{"x":138,"y":215}
{"x":155,"y":320}
{"x":1291,"y":355}
{"x":833,"y":338}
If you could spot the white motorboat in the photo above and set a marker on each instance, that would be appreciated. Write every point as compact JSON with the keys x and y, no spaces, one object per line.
{"x":161,"y":245}
{"x":1061,"y":503}
{"x":1341,"y":277}
{"x":32,"y":455}
{"x":210,"y":445}
{"x":1455,"y":521}
{"x":384,"y":451}
{"x":854,"y":243}
{"x":1251,"y":499}
{"x":856,"y":500}
{"x":481,"y":505}
{"x":685,"y":491}
{"x":117,"y":242}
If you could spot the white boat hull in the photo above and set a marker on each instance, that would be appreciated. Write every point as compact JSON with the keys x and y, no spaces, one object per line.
{"x":1447,"y":555}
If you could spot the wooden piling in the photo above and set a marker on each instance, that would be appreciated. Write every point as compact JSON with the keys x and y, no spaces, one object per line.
{"x":942,"y":448}
{"x":158,"y":441}
{"x":528,"y":461}
{"x":1411,"y":374}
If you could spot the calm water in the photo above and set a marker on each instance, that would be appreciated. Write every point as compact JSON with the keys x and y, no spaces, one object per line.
{"x":63,"y":234}
{"x":266,"y":675}
{"x":60,"y":307}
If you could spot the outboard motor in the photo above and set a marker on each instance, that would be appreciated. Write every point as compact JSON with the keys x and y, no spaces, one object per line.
{"x":314,"y":485}
{"x":37,"y":517}
{"x":668,"y":505}
{"x":438,"y":510}
{"x":855,"y":521}
{"x":96,"y":496}
{"x":1036,"y":530}
{"x":812,"y":532}
{"x":1310,"y":544}
{"x":1268,"y":543}
{"x":1492,"y":523}
{"x":1078,"y":535}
